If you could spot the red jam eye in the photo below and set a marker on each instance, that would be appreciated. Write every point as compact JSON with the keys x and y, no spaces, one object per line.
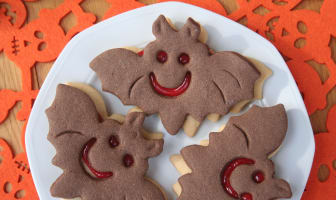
{"x":258,"y":177}
{"x":183,"y":58}
{"x":128,"y":160}
{"x":162,"y":56}
{"x":246,"y":196}
{"x":114,"y":141}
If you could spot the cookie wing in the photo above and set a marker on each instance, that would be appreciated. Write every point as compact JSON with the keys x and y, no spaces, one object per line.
{"x":119,"y":71}
{"x":248,"y":138}
{"x":71,"y":111}
{"x":267,"y":130}
{"x":233,"y":76}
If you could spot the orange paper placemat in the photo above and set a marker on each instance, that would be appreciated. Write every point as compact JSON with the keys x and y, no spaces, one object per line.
{"x":42,"y":39}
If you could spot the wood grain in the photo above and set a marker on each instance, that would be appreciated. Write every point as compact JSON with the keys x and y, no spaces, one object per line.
{"x":10,"y":75}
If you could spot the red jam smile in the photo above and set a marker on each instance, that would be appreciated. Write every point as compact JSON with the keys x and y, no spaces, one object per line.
{"x":226,"y":174}
{"x":85,"y":156}
{"x":170,"y":92}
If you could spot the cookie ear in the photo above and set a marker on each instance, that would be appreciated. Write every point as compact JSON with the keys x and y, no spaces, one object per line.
{"x":280,"y":189}
{"x":161,"y":27}
{"x":267,"y":130}
{"x":135,"y":119}
{"x":71,"y":111}
{"x":191,"y":29}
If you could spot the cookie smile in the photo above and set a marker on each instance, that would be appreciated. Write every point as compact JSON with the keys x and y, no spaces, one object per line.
{"x":227,"y":174}
{"x":170,"y":92}
{"x":85,"y":156}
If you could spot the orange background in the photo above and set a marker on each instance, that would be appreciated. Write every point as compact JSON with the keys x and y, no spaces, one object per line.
{"x":33,"y":32}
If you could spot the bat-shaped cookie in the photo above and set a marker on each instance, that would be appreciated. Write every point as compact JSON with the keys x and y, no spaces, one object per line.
{"x":236,"y":164}
{"x":176,"y":76}
{"x":101,"y":158}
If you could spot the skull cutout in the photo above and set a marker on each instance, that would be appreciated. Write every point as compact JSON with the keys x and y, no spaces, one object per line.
{"x":100,"y":159}
{"x":236,"y":164}
{"x":7,"y":24}
{"x":41,"y":41}
{"x":176,"y":76}
{"x":16,"y":181}
{"x":36,"y":38}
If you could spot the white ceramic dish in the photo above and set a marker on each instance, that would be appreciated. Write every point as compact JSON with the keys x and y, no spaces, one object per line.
{"x":293,"y":161}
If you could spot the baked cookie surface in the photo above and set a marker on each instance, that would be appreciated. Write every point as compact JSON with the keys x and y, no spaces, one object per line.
{"x":235,"y":163}
{"x":101,"y":158}
{"x":176,"y":75}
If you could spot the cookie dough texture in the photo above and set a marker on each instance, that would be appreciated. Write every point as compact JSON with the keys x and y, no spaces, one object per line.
{"x":73,"y":121}
{"x":254,"y":135}
{"x":218,"y":81}
{"x":191,"y":125}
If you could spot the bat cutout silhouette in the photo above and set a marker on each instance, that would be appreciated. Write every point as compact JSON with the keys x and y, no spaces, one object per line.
{"x":236,"y":164}
{"x":101,"y":157}
{"x":176,"y":76}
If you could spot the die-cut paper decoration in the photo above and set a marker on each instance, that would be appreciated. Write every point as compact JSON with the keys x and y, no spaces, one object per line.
{"x":15,"y":177}
{"x":39,"y":41}
{"x":285,"y":32}
{"x":314,"y":91}
{"x":321,"y":183}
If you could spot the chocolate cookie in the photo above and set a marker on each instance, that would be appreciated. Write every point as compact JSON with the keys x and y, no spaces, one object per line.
{"x":176,"y":76}
{"x":101,"y":159}
{"x":235,"y":164}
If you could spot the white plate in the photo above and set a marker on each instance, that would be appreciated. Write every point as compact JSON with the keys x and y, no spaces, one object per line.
{"x":134,"y":28}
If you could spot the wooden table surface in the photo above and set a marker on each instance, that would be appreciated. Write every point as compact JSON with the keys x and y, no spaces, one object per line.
{"x":10,"y":77}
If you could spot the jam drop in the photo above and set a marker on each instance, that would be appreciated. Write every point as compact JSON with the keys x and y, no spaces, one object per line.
{"x":114,"y":141}
{"x":226,"y":174}
{"x":183,"y":58}
{"x":162,"y":56}
{"x":258,"y":177}
{"x":246,"y":196}
{"x":170,"y":92}
{"x":141,"y":53}
{"x":85,"y":156}
{"x":128,"y":160}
